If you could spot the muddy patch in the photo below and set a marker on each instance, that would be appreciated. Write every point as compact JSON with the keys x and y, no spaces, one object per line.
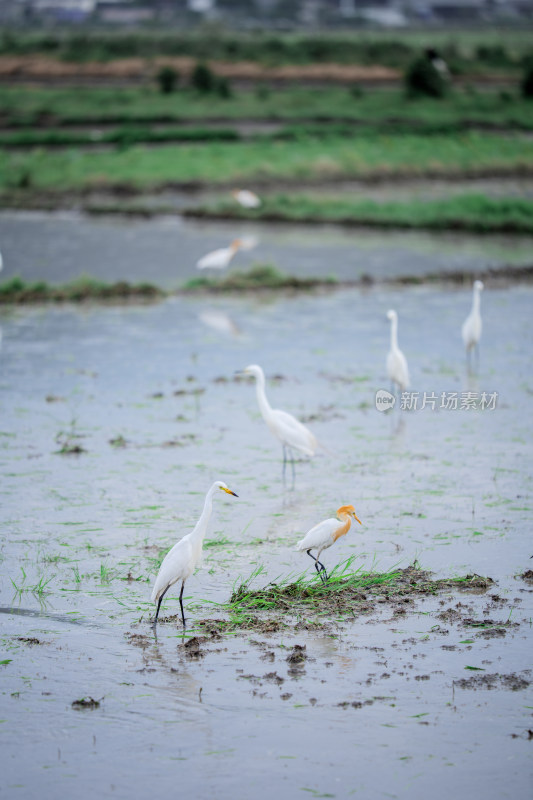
{"x":86,"y":703}
{"x":511,"y":681}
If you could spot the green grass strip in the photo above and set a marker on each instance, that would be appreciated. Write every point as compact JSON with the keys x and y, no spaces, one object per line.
{"x":309,"y":159}
{"x":468,"y":212}
{"x":55,"y":107}
{"x":125,"y":137}
{"x":16,"y":290}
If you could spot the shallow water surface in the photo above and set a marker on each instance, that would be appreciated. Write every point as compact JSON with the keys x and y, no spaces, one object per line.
{"x":60,"y":247}
{"x":386,"y":703}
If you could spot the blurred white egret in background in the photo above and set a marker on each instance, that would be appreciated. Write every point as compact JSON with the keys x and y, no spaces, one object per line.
{"x":180,"y":561}
{"x":219,"y":259}
{"x":292,"y":434}
{"x":246,"y":198}
{"x":397,"y":369}
{"x":472,"y":326}
{"x":438,"y":62}
{"x":325,"y":534}
{"x":1,"y":262}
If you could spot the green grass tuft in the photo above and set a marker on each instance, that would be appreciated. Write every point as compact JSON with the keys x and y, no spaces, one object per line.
{"x":260,"y":276}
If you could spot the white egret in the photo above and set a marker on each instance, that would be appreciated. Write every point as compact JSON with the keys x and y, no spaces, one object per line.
{"x":472,"y":326}
{"x":292,"y":434}
{"x":325,"y":534}
{"x":180,"y":562}
{"x":437,"y":61}
{"x":397,"y":369}
{"x":219,"y":259}
{"x":246,"y":198}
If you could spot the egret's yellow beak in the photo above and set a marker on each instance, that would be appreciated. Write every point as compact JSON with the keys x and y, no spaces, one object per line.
{"x":228,"y":491}
{"x":356,"y":517}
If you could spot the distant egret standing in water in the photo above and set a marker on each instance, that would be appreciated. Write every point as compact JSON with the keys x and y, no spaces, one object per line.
{"x":397,"y":369}
{"x":246,"y":198}
{"x":292,"y":434}
{"x":180,"y":562}
{"x":472,"y":326}
{"x":325,"y":534}
{"x":219,"y":259}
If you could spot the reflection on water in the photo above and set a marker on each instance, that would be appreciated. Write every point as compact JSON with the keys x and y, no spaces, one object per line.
{"x":219,"y":321}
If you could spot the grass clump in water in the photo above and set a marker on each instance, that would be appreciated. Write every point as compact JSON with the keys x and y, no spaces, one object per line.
{"x":260,"y":276}
{"x":16,"y":290}
{"x":346,"y":593}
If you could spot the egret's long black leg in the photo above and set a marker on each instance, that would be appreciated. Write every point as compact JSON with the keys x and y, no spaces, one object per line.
{"x":181,"y":602}
{"x":319,"y":566}
{"x":159,"y":604}
{"x":293,"y":467}
{"x":284,"y":461}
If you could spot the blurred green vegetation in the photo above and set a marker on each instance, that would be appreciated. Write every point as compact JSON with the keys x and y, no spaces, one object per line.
{"x":58,"y":140}
{"x":465,"y":50}
{"x":467,"y":212}
{"x":308,"y":158}
{"x":30,"y":107}
{"x":16,"y":290}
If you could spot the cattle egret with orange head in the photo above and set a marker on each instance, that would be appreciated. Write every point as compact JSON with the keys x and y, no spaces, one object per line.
{"x":325,"y":534}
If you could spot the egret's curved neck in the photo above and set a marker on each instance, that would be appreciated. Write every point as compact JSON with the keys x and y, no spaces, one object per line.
{"x":476,"y":300}
{"x":205,"y":516}
{"x":264,"y":405}
{"x":347,"y":520}
{"x":394,"y":333}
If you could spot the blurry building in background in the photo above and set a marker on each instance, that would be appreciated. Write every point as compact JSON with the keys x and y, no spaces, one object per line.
{"x":270,"y":13}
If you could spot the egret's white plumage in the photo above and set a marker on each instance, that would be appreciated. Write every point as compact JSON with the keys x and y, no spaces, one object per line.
{"x":180,"y":562}
{"x":472,"y":326}
{"x":438,"y":63}
{"x":291,"y":432}
{"x":219,"y":259}
{"x":397,"y":369}
{"x":325,"y":534}
{"x":246,"y":198}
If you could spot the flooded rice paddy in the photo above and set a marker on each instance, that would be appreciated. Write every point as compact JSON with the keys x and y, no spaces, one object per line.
{"x":59,"y":247}
{"x":430,"y":696}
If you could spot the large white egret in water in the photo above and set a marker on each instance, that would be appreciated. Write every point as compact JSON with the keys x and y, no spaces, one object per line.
{"x":325,"y":534}
{"x":219,"y":259}
{"x":180,"y":562}
{"x":292,"y":434}
{"x":472,"y":326}
{"x":397,"y":369}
